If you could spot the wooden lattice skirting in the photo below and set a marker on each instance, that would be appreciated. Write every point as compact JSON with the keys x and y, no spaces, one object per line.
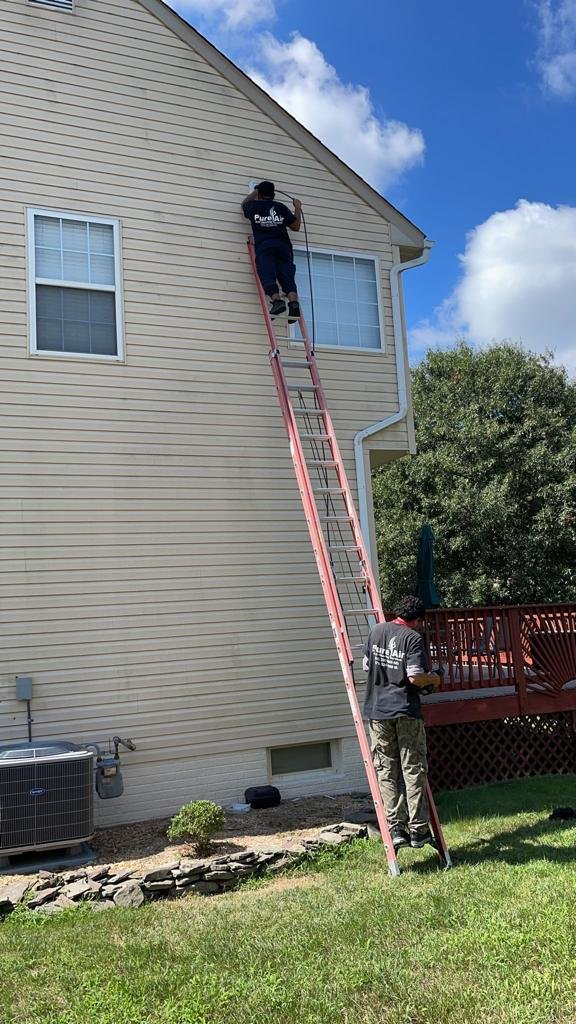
{"x":474,"y":753}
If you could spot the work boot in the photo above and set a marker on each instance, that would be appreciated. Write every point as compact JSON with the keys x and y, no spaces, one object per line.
{"x":293,"y":312}
{"x":399,"y":837}
{"x":422,"y":838}
{"x":277,"y":307}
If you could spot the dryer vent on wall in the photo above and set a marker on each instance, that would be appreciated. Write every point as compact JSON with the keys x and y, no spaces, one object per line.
{"x":46,"y":796}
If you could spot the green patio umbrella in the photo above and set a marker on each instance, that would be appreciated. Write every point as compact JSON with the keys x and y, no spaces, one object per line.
{"x":425,"y":568}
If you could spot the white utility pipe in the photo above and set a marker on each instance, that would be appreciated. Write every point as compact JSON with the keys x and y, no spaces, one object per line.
{"x":402,"y":410}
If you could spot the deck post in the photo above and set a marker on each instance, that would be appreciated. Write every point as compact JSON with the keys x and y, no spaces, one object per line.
{"x":517,"y":659}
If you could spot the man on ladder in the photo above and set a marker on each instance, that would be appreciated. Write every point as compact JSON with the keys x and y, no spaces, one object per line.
{"x":273,"y":248}
{"x":395,"y":659}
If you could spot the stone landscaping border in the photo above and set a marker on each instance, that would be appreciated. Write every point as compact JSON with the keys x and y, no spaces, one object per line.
{"x":101,"y":888}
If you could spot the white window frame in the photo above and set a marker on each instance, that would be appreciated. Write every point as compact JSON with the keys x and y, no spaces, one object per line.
{"x":89,"y":218}
{"x":308,"y":774}
{"x":351,"y":254}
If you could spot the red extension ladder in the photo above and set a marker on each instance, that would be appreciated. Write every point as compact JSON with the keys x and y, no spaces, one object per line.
{"x":350,"y":591}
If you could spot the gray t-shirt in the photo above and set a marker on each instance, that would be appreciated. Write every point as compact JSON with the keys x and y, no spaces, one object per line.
{"x":394,"y":651}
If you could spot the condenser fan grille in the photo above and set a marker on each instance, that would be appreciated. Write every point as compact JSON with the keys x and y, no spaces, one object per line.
{"x":45,"y":802}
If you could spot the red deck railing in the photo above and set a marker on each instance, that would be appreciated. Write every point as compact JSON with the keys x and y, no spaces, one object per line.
{"x":500,"y":661}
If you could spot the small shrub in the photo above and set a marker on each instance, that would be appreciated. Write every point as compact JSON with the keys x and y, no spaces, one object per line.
{"x":196,"y":822}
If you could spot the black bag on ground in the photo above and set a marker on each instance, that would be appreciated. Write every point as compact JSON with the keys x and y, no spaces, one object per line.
{"x":262,"y":796}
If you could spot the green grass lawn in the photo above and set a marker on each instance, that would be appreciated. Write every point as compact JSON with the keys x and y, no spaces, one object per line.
{"x":493,"y":940}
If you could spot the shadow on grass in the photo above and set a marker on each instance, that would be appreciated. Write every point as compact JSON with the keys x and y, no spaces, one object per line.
{"x":533,"y":795}
{"x":513,"y":846}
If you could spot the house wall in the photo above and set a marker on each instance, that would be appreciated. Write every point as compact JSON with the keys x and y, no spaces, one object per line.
{"x":156,"y":575}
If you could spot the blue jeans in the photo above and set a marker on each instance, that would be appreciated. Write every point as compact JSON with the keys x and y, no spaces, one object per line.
{"x":275,"y":265}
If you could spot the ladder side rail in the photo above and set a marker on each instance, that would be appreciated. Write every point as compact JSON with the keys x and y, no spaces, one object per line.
{"x":331,"y":594}
{"x":326,"y":577}
{"x":372,"y":588}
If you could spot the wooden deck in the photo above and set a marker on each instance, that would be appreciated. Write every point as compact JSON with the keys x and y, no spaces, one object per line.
{"x":501,"y":661}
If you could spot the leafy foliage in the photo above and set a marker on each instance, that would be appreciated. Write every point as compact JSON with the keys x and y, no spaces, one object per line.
{"x":196,"y":822}
{"x":495,"y":476}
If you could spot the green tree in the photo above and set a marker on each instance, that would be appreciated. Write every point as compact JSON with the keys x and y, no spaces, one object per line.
{"x":495,"y":476}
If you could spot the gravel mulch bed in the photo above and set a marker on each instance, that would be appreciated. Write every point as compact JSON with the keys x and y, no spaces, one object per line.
{"x":142,"y":846}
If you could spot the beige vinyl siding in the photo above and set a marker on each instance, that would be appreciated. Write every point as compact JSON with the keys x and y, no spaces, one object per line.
{"x":156,"y":577}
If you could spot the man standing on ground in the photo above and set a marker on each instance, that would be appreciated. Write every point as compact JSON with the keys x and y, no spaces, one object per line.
{"x":273,"y":248}
{"x":396,"y":662}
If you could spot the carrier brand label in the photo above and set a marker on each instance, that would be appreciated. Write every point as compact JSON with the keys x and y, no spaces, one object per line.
{"x":36,"y":792}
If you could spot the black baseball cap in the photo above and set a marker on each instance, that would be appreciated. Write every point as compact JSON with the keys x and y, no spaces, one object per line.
{"x":266,"y":188}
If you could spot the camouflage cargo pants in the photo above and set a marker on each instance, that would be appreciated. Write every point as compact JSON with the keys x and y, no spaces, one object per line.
{"x":399,"y":756}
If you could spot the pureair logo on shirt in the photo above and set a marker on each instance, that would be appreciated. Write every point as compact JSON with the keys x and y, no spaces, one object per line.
{"x":272,"y":220}
{"x":389,"y":657}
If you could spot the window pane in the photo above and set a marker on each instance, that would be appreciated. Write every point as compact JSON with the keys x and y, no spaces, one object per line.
{"x":370,"y":337}
{"x":49,"y":263}
{"x":49,"y":302}
{"x":101,"y":238}
{"x":349,"y":336}
{"x":75,"y":266}
{"x":304,"y":758}
{"x":47,"y":231}
{"x":75,"y":304}
{"x":75,"y":320}
{"x":366,"y":291}
{"x":102,"y":269}
{"x":75,"y":235}
{"x":76,"y":336}
{"x":368,"y":314}
{"x":365,"y":270}
{"x":49,"y":335}
{"x":322,"y":265}
{"x":103,"y":339}
{"x":347,"y":312}
{"x":102,"y":308}
{"x":326,"y":333}
{"x":344,"y":267}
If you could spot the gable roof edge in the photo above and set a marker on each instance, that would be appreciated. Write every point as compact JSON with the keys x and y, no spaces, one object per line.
{"x":405,"y":232}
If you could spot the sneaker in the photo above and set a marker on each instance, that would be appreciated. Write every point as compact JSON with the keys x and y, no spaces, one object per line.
{"x":293,"y":312}
{"x":277,"y":307}
{"x":420,"y":839}
{"x":399,"y":837}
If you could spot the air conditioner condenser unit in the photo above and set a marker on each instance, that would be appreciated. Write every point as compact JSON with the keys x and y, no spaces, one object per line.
{"x":46,"y":796}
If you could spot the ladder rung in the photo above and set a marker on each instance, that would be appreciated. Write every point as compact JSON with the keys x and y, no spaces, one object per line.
{"x":316,"y":437}
{"x":344,"y":547}
{"x":360,"y":611}
{"x":302,"y":387}
{"x":295,"y":362}
{"x":310,"y":412}
{"x":336,"y":519}
{"x":322,"y":462}
{"x":330,"y":490}
{"x":351,"y":579}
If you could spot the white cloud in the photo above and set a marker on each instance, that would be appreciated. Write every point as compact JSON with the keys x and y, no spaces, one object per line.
{"x":519,"y":283}
{"x":342,"y":115}
{"x":557,"y":51}
{"x":237,"y":14}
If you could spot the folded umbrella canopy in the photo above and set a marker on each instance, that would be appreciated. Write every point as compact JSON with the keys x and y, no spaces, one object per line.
{"x":425,"y":568}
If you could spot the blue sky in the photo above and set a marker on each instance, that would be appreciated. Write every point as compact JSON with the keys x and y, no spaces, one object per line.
{"x":464,"y":116}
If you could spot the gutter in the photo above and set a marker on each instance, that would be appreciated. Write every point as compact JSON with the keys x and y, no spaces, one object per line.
{"x":400,"y":414}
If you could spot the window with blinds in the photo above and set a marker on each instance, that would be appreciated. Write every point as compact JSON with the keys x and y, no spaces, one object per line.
{"x":339,"y":294}
{"x":75,"y":305}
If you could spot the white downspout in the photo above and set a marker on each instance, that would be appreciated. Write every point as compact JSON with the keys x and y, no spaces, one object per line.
{"x":402,"y":410}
